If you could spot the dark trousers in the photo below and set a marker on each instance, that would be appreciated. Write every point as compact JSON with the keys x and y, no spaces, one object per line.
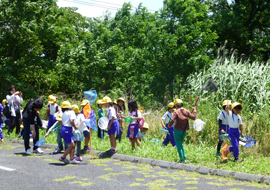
{"x":100,"y":133}
{"x":27,"y":132}
{"x":119,"y":136}
{"x":15,"y":122}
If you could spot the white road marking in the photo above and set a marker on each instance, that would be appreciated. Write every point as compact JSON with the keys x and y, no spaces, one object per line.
{"x":7,"y":169}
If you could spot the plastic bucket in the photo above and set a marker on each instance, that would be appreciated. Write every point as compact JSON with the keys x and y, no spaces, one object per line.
{"x":163,"y":131}
{"x":223,"y":137}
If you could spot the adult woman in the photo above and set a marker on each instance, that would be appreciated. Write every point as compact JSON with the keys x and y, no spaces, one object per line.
{"x":15,"y":100}
{"x":30,"y":112}
{"x":181,"y":116}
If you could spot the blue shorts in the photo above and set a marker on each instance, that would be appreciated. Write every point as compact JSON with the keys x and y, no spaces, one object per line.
{"x":86,"y":133}
{"x":67,"y":134}
{"x":114,"y":128}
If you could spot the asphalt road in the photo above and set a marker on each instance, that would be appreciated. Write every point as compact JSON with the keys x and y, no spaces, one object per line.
{"x":44,"y":171}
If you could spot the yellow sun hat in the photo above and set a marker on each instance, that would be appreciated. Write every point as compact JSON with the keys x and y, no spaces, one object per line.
{"x":115,"y":102}
{"x":52,"y":99}
{"x":236,"y":104}
{"x":75,"y":108}
{"x":99,"y":102}
{"x":4,"y":101}
{"x":106,"y":99}
{"x":146,"y":125}
{"x":59,"y":117}
{"x":226,"y":102}
{"x":122,"y":99}
{"x":84,"y":102}
{"x":171,"y":105}
{"x":66,"y":104}
{"x":177,"y":101}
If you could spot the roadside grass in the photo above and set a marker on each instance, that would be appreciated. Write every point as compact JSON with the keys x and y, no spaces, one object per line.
{"x":201,"y":154}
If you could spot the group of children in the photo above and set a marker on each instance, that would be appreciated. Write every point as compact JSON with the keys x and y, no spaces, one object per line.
{"x":67,"y":119}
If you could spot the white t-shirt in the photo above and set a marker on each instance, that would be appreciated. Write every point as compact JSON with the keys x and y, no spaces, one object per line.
{"x":167,"y":117}
{"x":111,"y":113}
{"x":67,"y":116}
{"x":133,"y":114}
{"x":53,"y":109}
{"x":234,"y":120}
{"x":222,"y":116}
{"x":14,"y":102}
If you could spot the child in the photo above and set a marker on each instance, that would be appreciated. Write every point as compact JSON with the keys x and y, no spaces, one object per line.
{"x":68,"y":119}
{"x":113,"y":126}
{"x":143,"y":131}
{"x":235,"y":123}
{"x":1,"y":123}
{"x":53,"y":108}
{"x":100,"y":114}
{"x":120,"y":108}
{"x":167,"y":117}
{"x":223,"y":122}
{"x":78,"y":137}
{"x":181,"y":116}
{"x":133,"y":128}
{"x":58,"y":127}
{"x":88,"y":113}
{"x":7,"y":120}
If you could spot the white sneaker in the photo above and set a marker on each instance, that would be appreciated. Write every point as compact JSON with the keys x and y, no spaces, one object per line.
{"x":64,"y":160}
{"x":74,"y":161}
{"x":38,"y":150}
{"x":28,"y":151}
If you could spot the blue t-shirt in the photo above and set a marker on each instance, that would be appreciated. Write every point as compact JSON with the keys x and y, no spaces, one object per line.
{"x":1,"y":110}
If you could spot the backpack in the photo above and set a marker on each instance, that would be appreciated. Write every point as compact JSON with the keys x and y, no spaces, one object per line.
{"x":141,"y":122}
{"x":6,"y":111}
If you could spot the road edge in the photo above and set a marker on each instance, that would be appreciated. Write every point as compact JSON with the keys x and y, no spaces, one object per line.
{"x":174,"y":165}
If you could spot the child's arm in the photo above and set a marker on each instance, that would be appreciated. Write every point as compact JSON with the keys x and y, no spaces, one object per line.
{"x":172,"y":120}
{"x":220,"y":126}
{"x":47,"y":113}
{"x":73,"y":124}
{"x":110,"y":124}
{"x":241,"y":129}
{"x":50,"y":129}
{"x":162,"y":123}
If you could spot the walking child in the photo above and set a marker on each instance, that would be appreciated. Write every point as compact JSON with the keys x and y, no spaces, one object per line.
{"x":53,"y":108}
{"x":181,"y":116}
{"x":68,"y":119}
{"x":235,"y":123}
{"x":167,"y":117}
{"x":223,"y":122}
{"x":133,"y":128}
{"x":58,"y":127}
{"x":78,"y":137}
{"x":100,"y":114}
{"x":88,"y":113}
{"x":113,"y":125}
{"x":120,"y":109}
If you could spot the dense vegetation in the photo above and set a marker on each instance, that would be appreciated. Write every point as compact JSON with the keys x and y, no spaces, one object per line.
{"x":46,"y":49}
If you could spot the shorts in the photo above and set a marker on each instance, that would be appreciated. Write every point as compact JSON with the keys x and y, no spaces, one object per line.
{"x":114,"y":128}
{"x":86,"y":133}
{"x":67,"y":134}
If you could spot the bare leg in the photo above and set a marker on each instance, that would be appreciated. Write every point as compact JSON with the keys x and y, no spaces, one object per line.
{"x":69,"y":151}
{"x":113,"y":141}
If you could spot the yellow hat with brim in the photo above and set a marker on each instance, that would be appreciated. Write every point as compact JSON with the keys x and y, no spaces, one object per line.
{"x":236,"y":104}
{"x":145,"y":125}
{"x":84,"y":102}
{"x":59,"y":117}
{"x":122,"y":99}
{"x":115,"y":102}
{"x":171,"y":105}
{"x":52,"y":99}
{"x":226,"y":102}
{"x":177,"y":101}
{"x":106,"y":99}
{"x":75,"y":108}
{"x":66,"y":104}
{"x":4,"y":101}
{"x":99,"y":102}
